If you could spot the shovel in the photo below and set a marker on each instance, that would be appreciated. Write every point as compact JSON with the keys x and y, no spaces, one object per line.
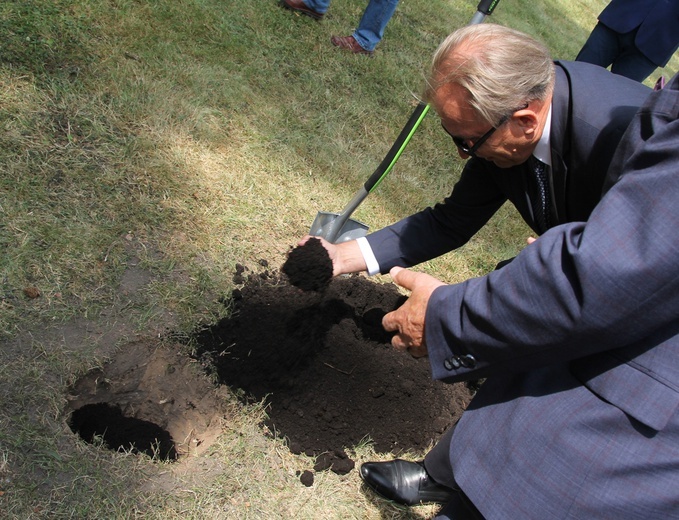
{"x":339,"y":227}
{"x":336,"y":228}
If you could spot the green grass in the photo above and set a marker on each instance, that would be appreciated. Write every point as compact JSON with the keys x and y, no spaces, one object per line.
{"x":188,"y":136}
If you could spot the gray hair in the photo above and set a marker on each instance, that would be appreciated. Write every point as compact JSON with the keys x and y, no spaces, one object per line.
{"x":501,"y":68}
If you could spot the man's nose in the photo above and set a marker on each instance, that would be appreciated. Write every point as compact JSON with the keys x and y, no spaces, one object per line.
{"x":462,"y":154}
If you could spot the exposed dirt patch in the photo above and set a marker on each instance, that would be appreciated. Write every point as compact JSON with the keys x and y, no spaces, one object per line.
{"x":327,"y":369}
{"x":319,"y":358}
{"x":152,"y":399}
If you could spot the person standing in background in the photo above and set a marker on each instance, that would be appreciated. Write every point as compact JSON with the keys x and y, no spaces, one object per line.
{"x":370,"y":29}
{"x":634,"y":37}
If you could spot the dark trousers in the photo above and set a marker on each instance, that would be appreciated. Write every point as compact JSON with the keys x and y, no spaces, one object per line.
{"x":606,"y":47}
{"x":437,"y":463}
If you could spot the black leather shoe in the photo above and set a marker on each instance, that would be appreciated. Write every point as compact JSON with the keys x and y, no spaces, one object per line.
{"x":404,"y":482}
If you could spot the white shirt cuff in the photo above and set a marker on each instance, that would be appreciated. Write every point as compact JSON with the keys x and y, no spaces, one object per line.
{"x":368,"y":256}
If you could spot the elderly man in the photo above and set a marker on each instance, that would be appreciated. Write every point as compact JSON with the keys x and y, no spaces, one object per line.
{"x":579,"y":340}
{"x":538,"y":133}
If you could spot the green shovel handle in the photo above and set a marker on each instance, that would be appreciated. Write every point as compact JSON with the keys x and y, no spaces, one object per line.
{"x":397,"y":148}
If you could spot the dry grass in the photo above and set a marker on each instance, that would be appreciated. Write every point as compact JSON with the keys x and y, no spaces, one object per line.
{"x":184,"y":138}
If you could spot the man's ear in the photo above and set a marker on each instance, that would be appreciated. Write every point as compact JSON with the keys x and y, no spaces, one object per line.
{"x":527,"y":120}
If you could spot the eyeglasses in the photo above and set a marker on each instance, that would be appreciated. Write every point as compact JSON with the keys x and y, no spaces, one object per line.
{"x":471,"y":150}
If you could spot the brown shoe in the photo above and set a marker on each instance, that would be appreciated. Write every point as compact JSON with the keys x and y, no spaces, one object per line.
{"x":349,"y":43}
{"x":300,"y":7}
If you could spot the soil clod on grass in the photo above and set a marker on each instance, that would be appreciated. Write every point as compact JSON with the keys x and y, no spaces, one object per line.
{"x":308,"y":266}
{"x":307,"y":478}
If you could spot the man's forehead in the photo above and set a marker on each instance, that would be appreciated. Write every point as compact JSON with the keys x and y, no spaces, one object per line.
{"x":452,"y":103}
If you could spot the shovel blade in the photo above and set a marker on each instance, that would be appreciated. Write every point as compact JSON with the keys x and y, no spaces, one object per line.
{"x":322,"y":227}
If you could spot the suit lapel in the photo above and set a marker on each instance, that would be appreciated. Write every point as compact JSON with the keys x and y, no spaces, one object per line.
{"x":560,"y":142}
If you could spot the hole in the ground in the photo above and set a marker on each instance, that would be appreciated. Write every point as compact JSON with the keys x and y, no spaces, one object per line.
{"x":118,"y":432}
{"x":152,"y":396}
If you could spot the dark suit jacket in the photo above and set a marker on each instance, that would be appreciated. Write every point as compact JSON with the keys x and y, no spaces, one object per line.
{"x":579,"y":340}
{"x":591,"y":109}
{"x":658,"y":22}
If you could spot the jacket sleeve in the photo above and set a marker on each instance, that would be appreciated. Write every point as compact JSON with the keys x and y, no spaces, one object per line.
{"x":611,"y":284}
{"x":448,"y":225}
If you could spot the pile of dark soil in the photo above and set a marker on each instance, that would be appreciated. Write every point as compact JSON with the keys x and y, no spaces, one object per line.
{"x":327,"y":369}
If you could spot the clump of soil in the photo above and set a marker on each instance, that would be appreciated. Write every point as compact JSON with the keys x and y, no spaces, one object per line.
{"x":308,"y":266}
{"x":326,"y":368}
{"x":307,"y":478}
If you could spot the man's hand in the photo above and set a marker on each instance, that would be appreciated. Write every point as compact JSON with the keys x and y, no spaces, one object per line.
{"x":408,"y":319}
{"x":346,"y":257}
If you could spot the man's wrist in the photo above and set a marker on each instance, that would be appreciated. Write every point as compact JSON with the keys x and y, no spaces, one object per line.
{"x":372,"y":266}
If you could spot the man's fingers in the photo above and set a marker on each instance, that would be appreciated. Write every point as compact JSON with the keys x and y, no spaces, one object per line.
{"x":399,"y":343}
{"x":390,"y":321}
{"x":303,"y":240}
{"x":403,"y":343}
{"x":418,"y":352}
{"x":413,"y":280}
{"x":403,"y":277}
{"x":408,"y":320}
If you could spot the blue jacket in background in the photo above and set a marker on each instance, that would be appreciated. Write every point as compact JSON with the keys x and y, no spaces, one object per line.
{"x":658,"y":23}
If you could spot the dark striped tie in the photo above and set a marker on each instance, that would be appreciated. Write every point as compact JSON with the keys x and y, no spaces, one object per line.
{"x":540,"y":201}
